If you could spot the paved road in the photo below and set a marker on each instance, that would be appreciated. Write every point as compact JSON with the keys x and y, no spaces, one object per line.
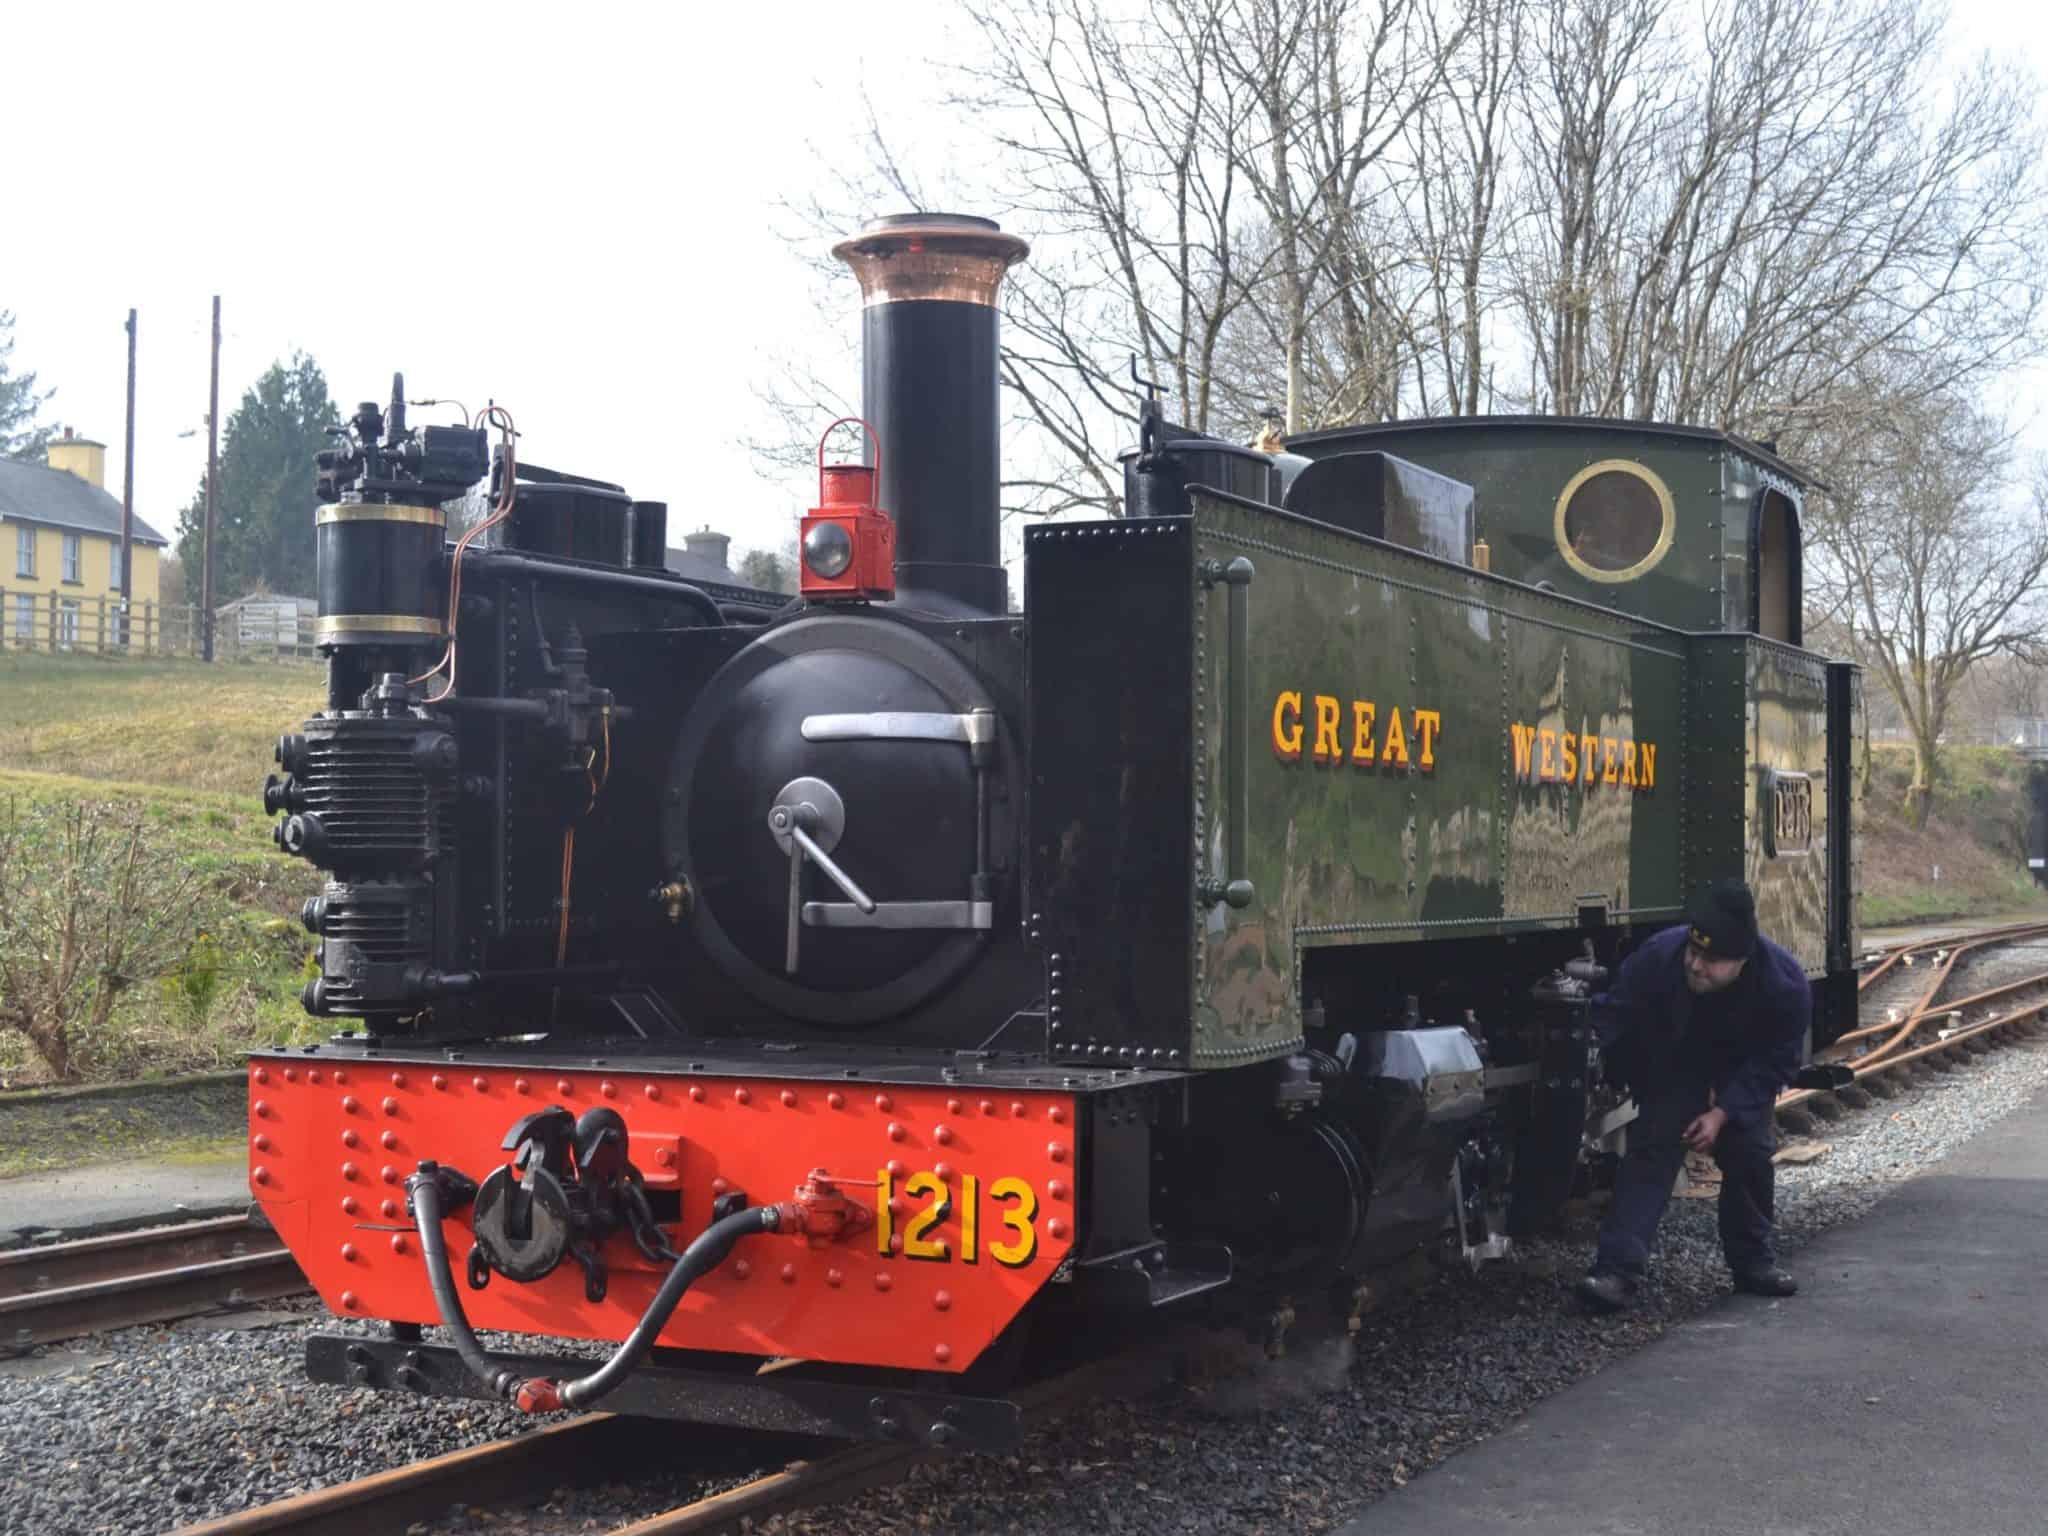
{"x":1901,"y":1393}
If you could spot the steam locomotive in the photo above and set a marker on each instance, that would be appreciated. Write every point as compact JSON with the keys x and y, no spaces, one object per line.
{"x":799,"y":997}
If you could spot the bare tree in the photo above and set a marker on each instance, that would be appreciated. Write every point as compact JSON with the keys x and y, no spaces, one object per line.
{"x":1730,"y":213}
{"x":1460,"y":146}
{"x":1336,"y":82}
{"x":1721,"y":230}
{"x":1930,"y":560}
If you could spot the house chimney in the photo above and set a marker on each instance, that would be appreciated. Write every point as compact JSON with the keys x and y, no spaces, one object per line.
{"x":708,"y":546}
{"x":80,"y":456}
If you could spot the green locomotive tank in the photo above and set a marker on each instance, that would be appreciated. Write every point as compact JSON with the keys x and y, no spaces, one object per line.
{"x":1361,"y":749}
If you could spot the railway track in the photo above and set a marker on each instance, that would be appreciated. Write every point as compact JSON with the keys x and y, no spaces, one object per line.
{"x":600,"y":1447}
{"x":62,"y":1290}
{"x":1934,"y":1030}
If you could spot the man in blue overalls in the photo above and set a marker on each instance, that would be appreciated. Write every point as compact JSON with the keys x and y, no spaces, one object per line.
{"x":1711,"y":1018}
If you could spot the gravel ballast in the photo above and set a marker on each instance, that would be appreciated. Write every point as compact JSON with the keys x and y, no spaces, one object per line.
{"x":146,"y":1429}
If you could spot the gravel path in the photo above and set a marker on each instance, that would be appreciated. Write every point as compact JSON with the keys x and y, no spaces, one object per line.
{"x":146,"y":1429}
{"x":143,"y":1430}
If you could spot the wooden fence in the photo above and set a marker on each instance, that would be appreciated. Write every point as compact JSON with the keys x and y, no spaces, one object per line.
{"x":95,"y":626}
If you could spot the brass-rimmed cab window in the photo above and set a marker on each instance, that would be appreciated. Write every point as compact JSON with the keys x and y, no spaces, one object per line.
{"x":1614,"y":520}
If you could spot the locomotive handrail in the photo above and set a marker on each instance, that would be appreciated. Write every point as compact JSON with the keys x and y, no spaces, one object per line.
{"x":1234,"y":888}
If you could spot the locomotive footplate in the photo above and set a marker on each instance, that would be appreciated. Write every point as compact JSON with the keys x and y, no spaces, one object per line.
{"x":799,"y":1400}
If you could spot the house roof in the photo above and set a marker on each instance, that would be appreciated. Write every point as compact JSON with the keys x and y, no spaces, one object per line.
{"x":34,"y":493}
{"x":696,"y":568}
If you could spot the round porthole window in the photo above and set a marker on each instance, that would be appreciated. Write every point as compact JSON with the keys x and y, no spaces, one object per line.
{"x":1614,"y":520}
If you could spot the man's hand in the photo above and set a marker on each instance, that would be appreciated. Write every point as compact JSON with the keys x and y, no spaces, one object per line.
{"x":1702,"y":1133}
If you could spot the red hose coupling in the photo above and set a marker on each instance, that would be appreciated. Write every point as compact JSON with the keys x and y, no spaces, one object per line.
{"x":537,"y":1394}
{"x":820,"y":1213}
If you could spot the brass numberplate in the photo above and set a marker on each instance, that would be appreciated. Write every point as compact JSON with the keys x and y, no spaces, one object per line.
{"x":1788,"y":825}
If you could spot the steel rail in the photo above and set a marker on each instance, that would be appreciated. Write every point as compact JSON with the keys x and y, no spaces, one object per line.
{"x":2032,"y":1011}
{"x":62,"y":1290}
{"x":859,"y":1467}
{"x":1898,"y":952}
{"x":600,"y":1447}
{"x":585,"y":1449}
{"x":42,"y":1265}
{"x":1891,"y":1053}
{"x":1902,"y":1030}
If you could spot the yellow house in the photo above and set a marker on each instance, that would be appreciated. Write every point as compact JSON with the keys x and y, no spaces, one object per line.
{"x":60,"y":549}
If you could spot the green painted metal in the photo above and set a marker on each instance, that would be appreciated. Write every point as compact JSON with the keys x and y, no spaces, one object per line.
{"x":1482,"y":838}
{"x":1520,"y":465}
{"x":1760,"y":713}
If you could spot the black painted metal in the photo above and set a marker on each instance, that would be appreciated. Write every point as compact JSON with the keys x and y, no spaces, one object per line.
{"x":381,"y":568}
{"x":1384,"y":497}
{"x":650,"y":535}
{"x":929,"y":389}
{"x":1547,"y":1154}
{"x":1844,"y":724}
{"x":1155,"y":1274}
{"x":1156,"y":478}
{"x":801,"y":1400}
{"x":576,"y":522}
{"x":742,"y":741}
{"x":1111,"y":882}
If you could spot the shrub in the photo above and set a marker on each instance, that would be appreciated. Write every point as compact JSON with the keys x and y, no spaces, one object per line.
{"x":88,"y":909}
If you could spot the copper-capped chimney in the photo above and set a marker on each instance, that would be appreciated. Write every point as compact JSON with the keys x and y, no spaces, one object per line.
{"x":929,"y":386}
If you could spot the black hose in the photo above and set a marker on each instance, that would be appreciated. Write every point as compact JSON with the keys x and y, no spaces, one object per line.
{"x":425,"y":1193}
{"x":538,"y":1394}
{"x":703,"y":1255}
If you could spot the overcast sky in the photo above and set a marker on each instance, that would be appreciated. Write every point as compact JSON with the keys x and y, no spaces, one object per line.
{"x":572,"y":210}
{"x":569,"y":209}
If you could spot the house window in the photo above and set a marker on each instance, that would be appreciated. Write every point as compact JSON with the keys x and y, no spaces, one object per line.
{"x":71,"y":542}
{"x":24,"y":551}
{"x":24,"y":617}
{"x":114,"y":566}
{"x":67,"y":623}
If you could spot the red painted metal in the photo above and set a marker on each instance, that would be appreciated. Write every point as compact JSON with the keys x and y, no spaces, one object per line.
{"x":822,"y":1291}
{"x":846,"y":496}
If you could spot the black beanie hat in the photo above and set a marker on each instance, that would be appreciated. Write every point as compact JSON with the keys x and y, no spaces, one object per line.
{"x":1723,"y":918}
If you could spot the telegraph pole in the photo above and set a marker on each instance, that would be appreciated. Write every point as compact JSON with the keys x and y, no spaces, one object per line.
{"x":212,"y":483}
{"x":128,"y":491}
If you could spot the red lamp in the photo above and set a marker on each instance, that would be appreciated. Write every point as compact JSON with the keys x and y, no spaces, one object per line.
{"x":847,"y":547}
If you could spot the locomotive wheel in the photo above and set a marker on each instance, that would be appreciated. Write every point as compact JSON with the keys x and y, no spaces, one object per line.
{"x":1292,"y":1204}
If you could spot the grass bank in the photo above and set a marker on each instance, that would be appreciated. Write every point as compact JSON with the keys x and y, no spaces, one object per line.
{"x":187,"y":1121}
{"x":179,"y":748}
{"x":1969,"y":860}
{"x":176,"y":724}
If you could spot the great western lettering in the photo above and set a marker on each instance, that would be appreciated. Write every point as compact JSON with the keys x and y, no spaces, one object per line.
{"x":1546,"y":755}
{"x":1324,"y":728}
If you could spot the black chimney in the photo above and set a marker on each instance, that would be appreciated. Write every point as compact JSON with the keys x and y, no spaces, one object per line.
{"x":929,"y":384}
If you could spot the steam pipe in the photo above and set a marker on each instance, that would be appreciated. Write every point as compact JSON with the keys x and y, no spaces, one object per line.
{"x":521,"y":567}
